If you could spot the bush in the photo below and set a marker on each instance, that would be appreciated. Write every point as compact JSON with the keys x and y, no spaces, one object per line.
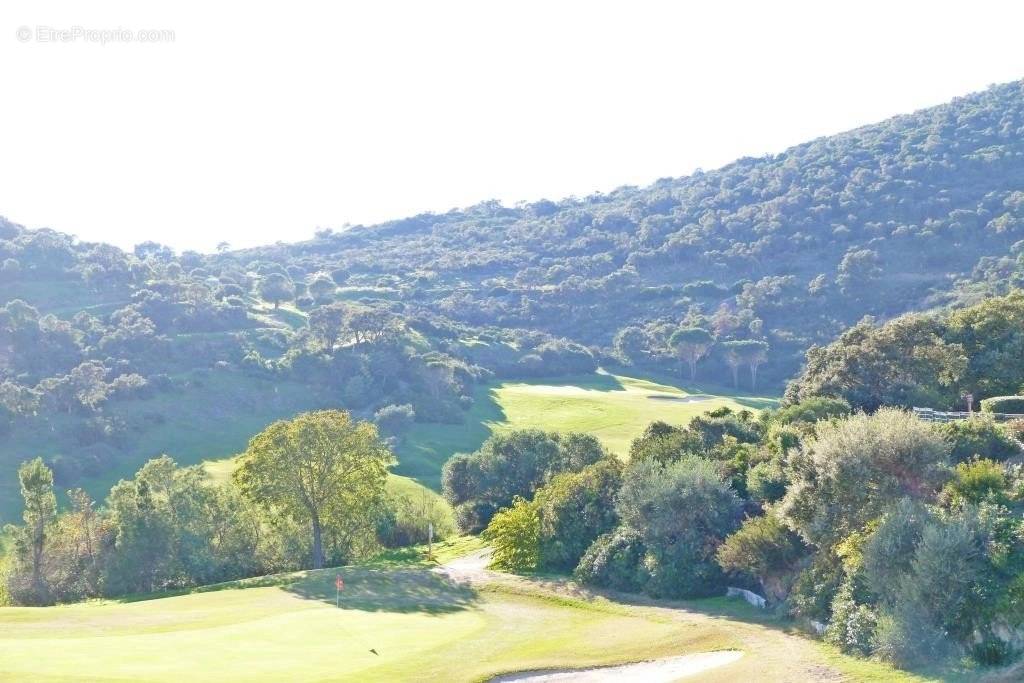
{"x":514,"y":533}
{"x":1003,"y":404}
{"x":512,"y":464}
{"x":575,"y":508}
{"x":615,"y":560}
{"x":683,"y":510}
{"x":980,"y":437}
{"x":855,"y":468}
{"x":976,"y":482}
{"x":766,"y":482}
{"x":407,"y":519}
{"x":765,"y":549}
{"x":852,"y":628}
{"x":812,"y":592}
{"x":394,"y":420}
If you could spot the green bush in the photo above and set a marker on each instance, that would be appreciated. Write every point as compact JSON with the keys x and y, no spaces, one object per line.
{"x":615,"y":560}
{"x":980,"y":437}
{"x":852,"y":628}
{"x":1003,"y":404}
{"x":575,"y":508}
{"x":514,"y":533}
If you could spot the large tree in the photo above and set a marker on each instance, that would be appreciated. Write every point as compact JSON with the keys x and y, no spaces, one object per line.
{"x":276,"y":288}
{"x":690,"y":344}
{"x":322,"y":469}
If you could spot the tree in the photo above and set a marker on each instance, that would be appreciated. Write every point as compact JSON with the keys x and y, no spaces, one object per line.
{"x":630,"y":344}
{"x":322,"y":288}
{"x":683,"y":512}
{"x":855,"y":467}
{"x":575,"y":508}
{"x":507,"y":465}
{"x":905,"y":362}
{"x":754,"y":352}
{"x":326,"y":323}
{"x":276,"y":288}
{"x":36,"y":481}
{"x":690,"y":344}
{"x":733,"y":355}
{"x":857,"y":272}
{"x":319,"y":469}
{"x":515,"y":534}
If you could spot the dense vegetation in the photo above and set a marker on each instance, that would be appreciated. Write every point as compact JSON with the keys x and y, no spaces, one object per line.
{"x":864,"y":523}
{"x":878,"y":270}
{"x":728,"y":275}
{"x":309,"y":491}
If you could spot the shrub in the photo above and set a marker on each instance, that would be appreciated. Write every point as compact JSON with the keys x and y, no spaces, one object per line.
{"x":812,"y":592}
{"x":976,"y":482}
{"x":1003,"y":404}
{"x":852,"y":628}
{"x":615,"y":560}
{"x":980,"y":437}
{"x":683,"y":510}
{"x":765,"y":549}
{"x":575,"y":508}
{"x":810,"y":410}
{"x":514,"y":532}
{"x":407,"y":519}
{"x":855,"y":468}
{"x":766,"y":482}
{"x":512,"y":464}
{"x":394,"y":419}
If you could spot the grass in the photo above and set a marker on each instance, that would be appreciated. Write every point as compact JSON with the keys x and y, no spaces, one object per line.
{"x":211,"y":421}
{"x":614,"y":407}
{"x":422,"y":625}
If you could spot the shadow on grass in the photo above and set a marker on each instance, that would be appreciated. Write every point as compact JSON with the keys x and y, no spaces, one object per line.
{"x":392,"y":590}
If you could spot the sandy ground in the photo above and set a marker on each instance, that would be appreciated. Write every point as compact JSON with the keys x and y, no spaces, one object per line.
{"x":658,"y":671}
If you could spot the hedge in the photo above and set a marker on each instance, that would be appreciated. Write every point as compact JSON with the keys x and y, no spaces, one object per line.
{"x":1003,"y":404}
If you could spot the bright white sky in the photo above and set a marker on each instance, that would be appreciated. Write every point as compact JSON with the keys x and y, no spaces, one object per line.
{"x":259,"y":123}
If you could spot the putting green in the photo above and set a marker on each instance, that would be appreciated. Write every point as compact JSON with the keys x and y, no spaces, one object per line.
{"x":423,"y":627}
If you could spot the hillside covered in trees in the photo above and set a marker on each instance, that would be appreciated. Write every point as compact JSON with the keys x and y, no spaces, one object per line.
{"x":729,"y":276}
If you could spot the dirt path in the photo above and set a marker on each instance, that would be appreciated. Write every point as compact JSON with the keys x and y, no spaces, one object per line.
{"x":761,"y":652}
{"x":659,"y":671}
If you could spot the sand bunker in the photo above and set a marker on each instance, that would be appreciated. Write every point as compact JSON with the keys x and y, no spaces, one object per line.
{"x":658,"y":671}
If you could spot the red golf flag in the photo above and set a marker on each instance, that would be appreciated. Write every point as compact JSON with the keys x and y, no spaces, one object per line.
{"x":339,"y":582}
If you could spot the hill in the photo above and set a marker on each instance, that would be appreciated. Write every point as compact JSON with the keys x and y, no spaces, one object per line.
{"x":108,"y":357}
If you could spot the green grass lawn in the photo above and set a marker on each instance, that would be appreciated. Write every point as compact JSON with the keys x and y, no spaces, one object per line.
{"x":424,"y":627}
{"x":212,"y":421}
{"x":614,"y":407}
{"x":215,"y":421}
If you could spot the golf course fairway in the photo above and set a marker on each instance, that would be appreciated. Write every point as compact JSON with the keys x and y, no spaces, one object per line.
{"x":395,"y":623}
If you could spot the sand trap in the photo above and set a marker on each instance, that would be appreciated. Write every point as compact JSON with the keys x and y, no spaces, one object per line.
{"x":695,"y":398}
{"x":658,"y":671}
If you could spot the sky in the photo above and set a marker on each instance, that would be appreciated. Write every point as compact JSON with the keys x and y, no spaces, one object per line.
{"x":250,"y":123}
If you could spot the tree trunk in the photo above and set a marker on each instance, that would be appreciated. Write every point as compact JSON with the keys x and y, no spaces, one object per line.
{"x":693,"y":368}
{"x":735,"y":376}
{"x":753,"y":376}
{"x":38,"y":543}
{"x":318,"y":544}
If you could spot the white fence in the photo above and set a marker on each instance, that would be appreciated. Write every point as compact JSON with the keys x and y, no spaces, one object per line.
{"x":930,"y":415}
